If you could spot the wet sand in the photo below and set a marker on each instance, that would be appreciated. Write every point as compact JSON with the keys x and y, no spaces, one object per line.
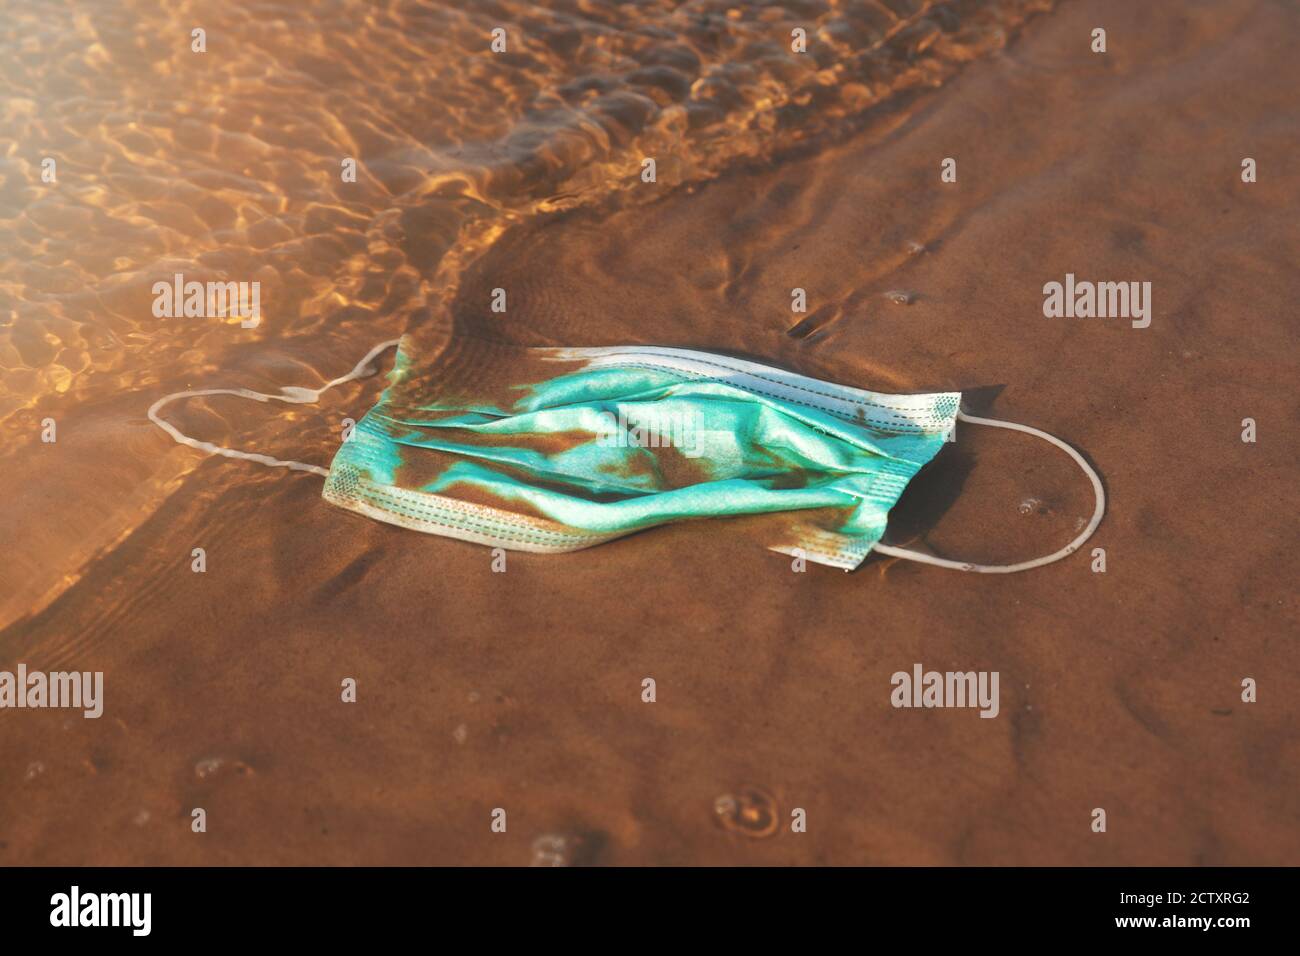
{"x":521,"y":690}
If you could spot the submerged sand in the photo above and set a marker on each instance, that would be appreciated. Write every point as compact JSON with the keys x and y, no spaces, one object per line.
{"x":522,"y":690}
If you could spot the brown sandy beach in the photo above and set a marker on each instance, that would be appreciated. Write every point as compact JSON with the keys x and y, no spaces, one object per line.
{"x":521,"y":690}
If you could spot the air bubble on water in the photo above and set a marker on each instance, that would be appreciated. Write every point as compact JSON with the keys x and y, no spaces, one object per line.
{"x":141,"y":818}
{"x":750,"y":811}
{"x":554,"y":849}
{"x":473,"y":697}
{"x":460,"y":734}
{"x":34,"y":770}
{"x":899,"y":297}
{"x":914,"y":248}
{"x":1029,"y":506}
{"x":209,"y":767}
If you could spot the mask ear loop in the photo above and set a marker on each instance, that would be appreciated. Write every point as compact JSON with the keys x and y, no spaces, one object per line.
{"x":293,"y":394}
{"x":1065,"y":552}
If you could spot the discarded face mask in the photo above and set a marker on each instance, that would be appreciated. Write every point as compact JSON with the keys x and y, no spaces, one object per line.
{"x":557,"y":449}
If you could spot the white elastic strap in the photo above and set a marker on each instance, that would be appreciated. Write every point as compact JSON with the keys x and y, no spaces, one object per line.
{"x":292,"y":394}
{"x":1068,"y":550}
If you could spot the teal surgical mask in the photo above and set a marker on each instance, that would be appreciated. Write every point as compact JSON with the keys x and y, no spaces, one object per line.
{"x":552,"y":449}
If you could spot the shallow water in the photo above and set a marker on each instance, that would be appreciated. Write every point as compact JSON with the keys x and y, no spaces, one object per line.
{"x":226,"y":166}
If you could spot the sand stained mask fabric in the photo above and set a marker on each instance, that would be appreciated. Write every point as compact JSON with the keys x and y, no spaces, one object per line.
{"x":552,"y":450}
